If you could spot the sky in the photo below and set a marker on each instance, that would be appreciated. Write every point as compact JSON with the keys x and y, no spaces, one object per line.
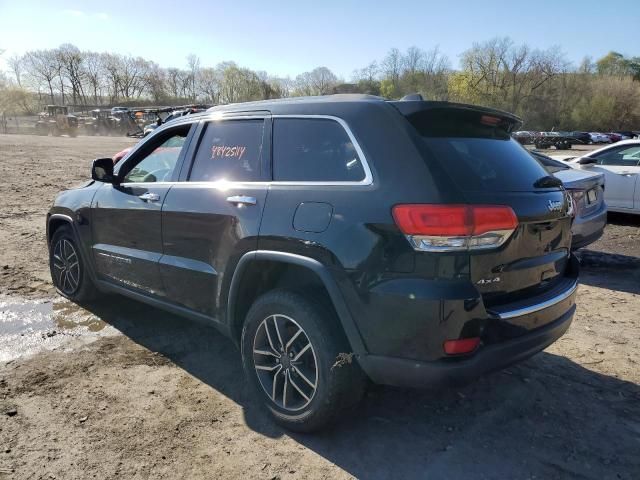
{"x":288,"y":37}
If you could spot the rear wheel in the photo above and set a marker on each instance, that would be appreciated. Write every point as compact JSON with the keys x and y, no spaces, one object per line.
{"x":294,"y":355}
{"x":68,"y":270}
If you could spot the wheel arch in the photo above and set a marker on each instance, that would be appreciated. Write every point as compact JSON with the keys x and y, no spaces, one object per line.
{"x":54,"y":222}
{"x":312,"y":269}
{"x":57,"y":220}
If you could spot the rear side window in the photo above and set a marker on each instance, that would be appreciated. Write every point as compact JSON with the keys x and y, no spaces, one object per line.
{"x":314,"y":150}
{"x":476,"y":150}
{"x":229,"y":150}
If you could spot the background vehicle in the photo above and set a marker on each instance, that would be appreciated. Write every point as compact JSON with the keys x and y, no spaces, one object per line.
{"x":333,"y":238}
{"x":172,"y":115}
{"x":56,"y":120}
{"x":620,"y":164}
{"x":587,"y":190}
{"x":597,"y":137}
{"x":523,"y":137}
{"x":116,"y":110}
{"x":614,"y":137}
{"x":581,"y":137}
{"x":560,"y":140}
{"x":626,"y":134}
{"x":101,"y":122}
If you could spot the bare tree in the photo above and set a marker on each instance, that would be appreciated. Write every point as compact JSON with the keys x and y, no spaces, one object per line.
{"x":71,"y":68}
{"x":193,"y":65}
{"x":174,"y":78}
{"x":505,"y":75}
{"x":392,"y":66}
{"x":155,"y":80}
{"x":319,"y":81}
{"x":43,"y":69}
{"x":112,"y":75}
{"x":94,"y":75}
{"x":16,"y":63}
{"x":209,"y":80}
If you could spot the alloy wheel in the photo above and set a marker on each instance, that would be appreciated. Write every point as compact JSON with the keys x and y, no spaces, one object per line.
{"x":285,"y":362}
{"x":66,"y":266}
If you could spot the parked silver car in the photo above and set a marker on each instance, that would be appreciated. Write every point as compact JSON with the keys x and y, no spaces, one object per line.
{"x":587,"y":190}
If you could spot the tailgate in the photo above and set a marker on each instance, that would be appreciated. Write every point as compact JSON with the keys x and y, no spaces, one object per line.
{"x":534,"y":257}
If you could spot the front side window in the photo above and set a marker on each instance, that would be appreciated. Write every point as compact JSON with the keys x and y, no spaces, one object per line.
{"x":314,"y":150}
{"x":159,"y":164}
{"x":230,"y":150}
{"x":624,"y":156}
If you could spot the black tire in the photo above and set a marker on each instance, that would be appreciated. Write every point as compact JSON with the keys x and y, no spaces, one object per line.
{"x":339,"y":381}
{"x":70,"y":282}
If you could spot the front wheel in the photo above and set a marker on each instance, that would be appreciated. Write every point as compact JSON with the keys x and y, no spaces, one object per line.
{"x":68,"y":270}
{"x":298,"y":360}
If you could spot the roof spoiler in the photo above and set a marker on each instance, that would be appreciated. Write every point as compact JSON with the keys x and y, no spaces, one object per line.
{"x":410,"y":106}
{"x":412,"y":97}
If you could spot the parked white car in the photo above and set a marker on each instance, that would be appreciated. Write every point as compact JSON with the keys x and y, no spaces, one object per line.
{"x":620,"y":163}
{"x":597,"y":137}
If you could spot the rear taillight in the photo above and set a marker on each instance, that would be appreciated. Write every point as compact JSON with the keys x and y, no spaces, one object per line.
{"x":574,"y":198}
{"x":445,"y":228}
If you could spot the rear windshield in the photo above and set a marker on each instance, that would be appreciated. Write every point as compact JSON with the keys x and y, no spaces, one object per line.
{"x":477,"y":150}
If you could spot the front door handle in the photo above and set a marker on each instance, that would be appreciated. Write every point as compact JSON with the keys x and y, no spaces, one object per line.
{"x":242,"y":200}
{"x":149,"y":197}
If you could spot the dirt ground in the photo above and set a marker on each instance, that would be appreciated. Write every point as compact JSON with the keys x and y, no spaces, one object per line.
{"x":155,"y":396}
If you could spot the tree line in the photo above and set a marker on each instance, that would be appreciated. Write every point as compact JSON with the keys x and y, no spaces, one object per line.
{"x":540,"y":85}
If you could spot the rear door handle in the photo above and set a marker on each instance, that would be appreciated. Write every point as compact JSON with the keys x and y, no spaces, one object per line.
{"x":242,"y":200}
{"x":149,"y":197}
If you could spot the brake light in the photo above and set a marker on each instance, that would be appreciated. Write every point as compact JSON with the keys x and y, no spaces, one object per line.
{"x":461,"y":346}
{"x":489,"y":120}
{"x":455,"y":227}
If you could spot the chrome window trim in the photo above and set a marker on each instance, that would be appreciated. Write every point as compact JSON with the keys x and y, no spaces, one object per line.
{"x":538,"y":306}
{"x":225,"y":116}
{"x":146,"y":184}
{"x":368,"y":177}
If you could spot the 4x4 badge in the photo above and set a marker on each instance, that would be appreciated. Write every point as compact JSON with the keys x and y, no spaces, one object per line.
{"x":485,"y":281}
{"x":554,"y":205}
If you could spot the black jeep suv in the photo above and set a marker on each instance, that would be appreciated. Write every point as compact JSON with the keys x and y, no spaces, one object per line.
{"x":334,"y":239}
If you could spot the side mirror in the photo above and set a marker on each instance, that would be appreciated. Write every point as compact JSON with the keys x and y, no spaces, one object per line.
{"x":102,"y":170}
{"x":587,"y":161}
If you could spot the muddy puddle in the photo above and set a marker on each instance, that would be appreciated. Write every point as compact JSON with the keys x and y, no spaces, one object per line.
{"x":30,"y":326}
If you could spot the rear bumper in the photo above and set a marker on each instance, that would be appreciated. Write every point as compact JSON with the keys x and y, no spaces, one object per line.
{"x":408,"y":373}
